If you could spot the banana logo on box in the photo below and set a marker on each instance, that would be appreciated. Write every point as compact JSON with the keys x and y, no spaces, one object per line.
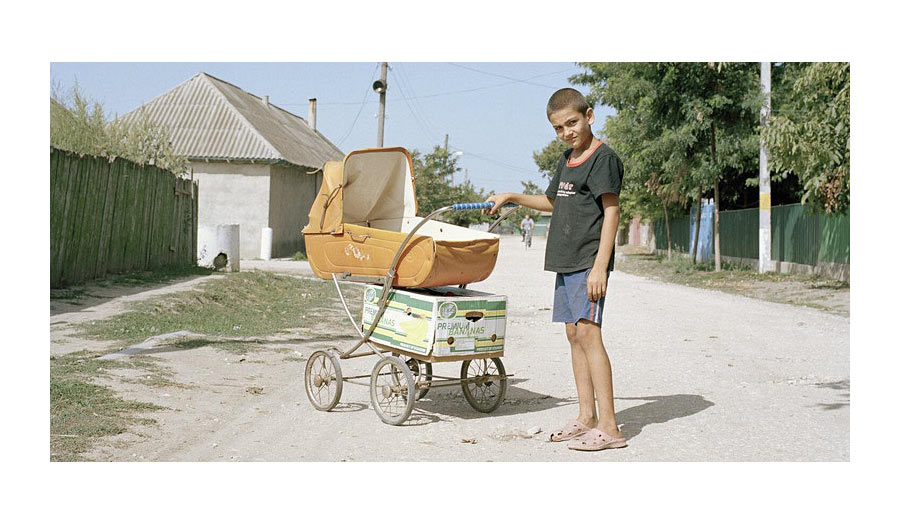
{"x":447,"y":310}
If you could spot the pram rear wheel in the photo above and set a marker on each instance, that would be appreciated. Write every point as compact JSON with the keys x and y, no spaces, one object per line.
{"x":323,"y":379}
{"x":483,"y":383}
{"x":389,"y":388}
{"x":422,"y":372}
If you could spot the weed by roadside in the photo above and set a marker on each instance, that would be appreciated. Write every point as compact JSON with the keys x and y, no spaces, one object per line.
{"x":82,"y":411}
{"x":163,"y":275}
{"x":241,"y":305}
{"x":299,"y":255}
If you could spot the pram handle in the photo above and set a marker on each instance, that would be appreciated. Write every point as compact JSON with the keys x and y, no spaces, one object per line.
{"x":479,"y":205}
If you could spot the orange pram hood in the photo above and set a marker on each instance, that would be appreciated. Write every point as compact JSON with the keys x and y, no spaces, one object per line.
{"x":368,"y":185}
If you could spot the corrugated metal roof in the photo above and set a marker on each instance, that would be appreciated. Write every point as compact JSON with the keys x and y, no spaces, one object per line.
{"x":209,"y":118}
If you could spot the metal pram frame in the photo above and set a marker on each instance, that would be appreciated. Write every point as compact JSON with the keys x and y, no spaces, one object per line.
{"x":482,"y":376}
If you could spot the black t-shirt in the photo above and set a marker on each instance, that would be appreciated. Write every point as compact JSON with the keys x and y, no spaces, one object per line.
{"x":577,"y":218}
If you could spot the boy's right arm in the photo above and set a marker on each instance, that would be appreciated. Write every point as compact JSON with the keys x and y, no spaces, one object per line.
{"x":536,"y":202}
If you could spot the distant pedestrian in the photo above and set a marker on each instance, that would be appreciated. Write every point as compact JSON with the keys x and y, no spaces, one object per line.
{"x":584,"y":198}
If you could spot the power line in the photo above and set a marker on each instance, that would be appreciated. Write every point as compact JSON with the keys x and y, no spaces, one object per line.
{"x":497,"y":162}
{"x":415,"y":102}
{"x":361,"y":106}
{"x":420,"y":121}
{"x":502,"y":76}
{"x":455,"y":92}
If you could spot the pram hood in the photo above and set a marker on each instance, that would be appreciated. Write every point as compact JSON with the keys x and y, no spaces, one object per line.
{"x":369,"y":185}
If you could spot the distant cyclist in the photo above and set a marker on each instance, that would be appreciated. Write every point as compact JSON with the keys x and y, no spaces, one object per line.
{"x":527,"y":226}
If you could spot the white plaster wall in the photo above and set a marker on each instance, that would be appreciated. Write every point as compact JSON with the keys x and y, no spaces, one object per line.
{"x":292,"y":193}
{"x":235,"y":194}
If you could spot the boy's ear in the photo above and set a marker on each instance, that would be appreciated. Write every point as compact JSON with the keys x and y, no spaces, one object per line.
{"x":590,"y":115}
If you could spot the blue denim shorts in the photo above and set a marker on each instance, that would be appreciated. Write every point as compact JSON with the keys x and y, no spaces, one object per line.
{"x":570,"y":300}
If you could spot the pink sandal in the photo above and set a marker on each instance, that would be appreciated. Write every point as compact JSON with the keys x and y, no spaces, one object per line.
{"x":595,"y":440}
{"x":569,"y":431}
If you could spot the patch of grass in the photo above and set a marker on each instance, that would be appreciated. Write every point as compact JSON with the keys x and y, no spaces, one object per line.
{"x":82,"y":411}
{"x":241,"y":305}
{"x":154,"y":375}
{"x":797,"y":289}
{"x":67,"y":294}
{"x":155,"y":276}
{"x":299,"y":255}
{"x":74,"y":293}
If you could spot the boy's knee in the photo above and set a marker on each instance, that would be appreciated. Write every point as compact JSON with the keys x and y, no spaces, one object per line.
{"x":586,"y":333}
{"x":571,"y":333}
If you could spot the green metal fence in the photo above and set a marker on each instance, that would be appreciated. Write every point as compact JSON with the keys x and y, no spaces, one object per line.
{"x":680,"y":228}
{"x":115,"y":217}
{"x":797,"y":236}
{"x":742,"y":240}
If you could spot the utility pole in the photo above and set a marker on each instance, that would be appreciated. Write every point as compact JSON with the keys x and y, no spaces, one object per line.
{"x":765,"y":191}
{"x":380,"y":87}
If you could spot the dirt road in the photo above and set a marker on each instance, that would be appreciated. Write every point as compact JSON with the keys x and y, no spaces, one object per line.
{"x":699,"y":376}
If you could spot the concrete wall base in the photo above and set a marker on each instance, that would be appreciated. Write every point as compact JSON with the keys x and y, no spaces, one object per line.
{"x":219,"y":246}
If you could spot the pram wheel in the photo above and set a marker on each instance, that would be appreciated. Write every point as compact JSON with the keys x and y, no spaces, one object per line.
{"x":422,"y":371}
{"x":324,"y":381}
{"x":390,"y":386}
{"x":483,"y":383}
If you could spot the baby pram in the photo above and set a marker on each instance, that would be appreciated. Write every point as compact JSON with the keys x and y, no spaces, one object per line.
{"x":363,"y":228}
{"x":364,"y":211}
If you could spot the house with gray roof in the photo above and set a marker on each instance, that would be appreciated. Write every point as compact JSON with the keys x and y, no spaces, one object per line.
{"x":256,"y":164}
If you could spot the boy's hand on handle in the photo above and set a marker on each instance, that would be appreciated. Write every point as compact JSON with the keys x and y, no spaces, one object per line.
{"x":498,"y":200}
{"x":596,"y":284}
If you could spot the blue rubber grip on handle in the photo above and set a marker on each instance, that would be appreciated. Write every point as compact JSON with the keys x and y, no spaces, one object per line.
{"x":478,"y":205}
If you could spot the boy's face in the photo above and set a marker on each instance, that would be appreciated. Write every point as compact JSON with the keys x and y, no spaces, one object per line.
{"x":573,"y":127}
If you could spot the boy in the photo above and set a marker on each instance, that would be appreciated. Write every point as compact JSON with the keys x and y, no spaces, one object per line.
{"x":583,"y":196}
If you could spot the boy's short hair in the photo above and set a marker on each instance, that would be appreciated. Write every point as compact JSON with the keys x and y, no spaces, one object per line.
{"x":567,"y":97}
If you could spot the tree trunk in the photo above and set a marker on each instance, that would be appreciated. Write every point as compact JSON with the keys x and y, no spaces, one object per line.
{"x":715,"y":200}
{"x":697,"y":225}
{"x":668,"y":233}
{"x":716,"y":226}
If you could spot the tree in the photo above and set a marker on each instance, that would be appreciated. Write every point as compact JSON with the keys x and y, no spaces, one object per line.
{"x":680,"y":125}
{"x":434,"y":189}
{"x":79,"y":125}
{"x":808,"y":135}
{"x":548,"y":158}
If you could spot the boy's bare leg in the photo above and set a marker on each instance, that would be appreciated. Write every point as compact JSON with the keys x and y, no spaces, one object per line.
{"x":587,"y":411}
{"x":588,"y":336}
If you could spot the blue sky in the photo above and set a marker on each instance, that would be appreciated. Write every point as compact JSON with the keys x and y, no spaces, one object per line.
{"x":493,"y":111}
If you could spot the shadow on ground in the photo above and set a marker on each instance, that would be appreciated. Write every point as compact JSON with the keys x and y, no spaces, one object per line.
{"x":518,"y":400}
{"x":841,"y":385}
{"x":657,"y":410}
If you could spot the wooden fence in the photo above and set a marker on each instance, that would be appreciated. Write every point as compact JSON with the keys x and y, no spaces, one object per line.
{"x":116,"y":217}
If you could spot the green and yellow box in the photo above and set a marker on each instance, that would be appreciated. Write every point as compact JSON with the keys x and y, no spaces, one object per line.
{"x":438,"y":322}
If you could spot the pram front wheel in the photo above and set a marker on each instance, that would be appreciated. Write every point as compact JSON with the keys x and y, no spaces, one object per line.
{"x":390,"y":388}
{"x":324,"y":381}
{"x":422,"y":372}
{"x":483,"y":383}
